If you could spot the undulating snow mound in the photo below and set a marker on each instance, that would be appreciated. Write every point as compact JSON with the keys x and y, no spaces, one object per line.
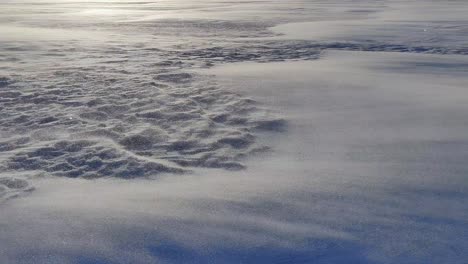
{"x":13,"y":186}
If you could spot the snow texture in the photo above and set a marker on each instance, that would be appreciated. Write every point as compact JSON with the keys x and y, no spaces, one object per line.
{"x":178,"y":131}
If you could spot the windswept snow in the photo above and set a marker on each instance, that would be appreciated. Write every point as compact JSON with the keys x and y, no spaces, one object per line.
{"x":201,"y":131}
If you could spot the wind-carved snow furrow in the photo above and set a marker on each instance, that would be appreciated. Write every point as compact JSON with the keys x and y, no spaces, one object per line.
{"x":93,"y":125}
{"x":302,"y":50}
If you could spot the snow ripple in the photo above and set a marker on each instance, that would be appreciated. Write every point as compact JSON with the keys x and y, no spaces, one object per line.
{"x":302,"y":50}
{"x":93,"y":125}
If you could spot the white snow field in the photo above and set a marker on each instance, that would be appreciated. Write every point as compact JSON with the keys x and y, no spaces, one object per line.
{"x":209,"y":131}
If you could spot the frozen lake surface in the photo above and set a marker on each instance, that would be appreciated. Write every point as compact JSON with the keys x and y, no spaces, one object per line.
{"x":208,"y":131}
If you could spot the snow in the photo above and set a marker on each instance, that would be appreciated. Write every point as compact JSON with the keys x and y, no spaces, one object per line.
{"x":233,"y":132}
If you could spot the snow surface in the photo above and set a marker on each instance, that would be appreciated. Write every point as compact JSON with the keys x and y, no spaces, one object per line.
{"x":210,"y":131}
